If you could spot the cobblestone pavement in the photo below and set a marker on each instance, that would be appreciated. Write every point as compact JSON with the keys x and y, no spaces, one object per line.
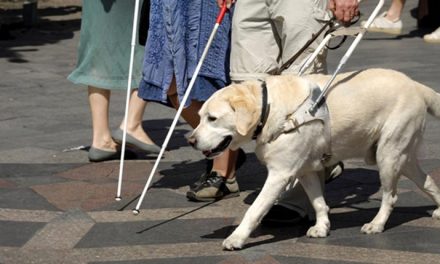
{"x":55,"y":207}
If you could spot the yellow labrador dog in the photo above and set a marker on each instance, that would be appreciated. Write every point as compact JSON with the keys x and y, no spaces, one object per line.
{"x":375,"y":114}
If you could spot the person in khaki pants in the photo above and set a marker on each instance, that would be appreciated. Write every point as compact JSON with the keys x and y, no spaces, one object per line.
{"x":267,"y":33}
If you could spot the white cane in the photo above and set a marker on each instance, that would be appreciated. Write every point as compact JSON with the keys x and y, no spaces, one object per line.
{"x":127,"y":101}
{"x":181,"y":106}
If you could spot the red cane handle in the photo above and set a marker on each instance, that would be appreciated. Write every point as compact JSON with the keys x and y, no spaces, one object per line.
{"x":222,"y":13}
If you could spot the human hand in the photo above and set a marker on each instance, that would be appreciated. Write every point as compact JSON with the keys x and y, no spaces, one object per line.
{"x":344,"y":10}
{"x":229,"y":3}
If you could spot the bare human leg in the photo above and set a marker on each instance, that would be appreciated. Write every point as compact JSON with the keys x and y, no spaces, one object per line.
{"x":99,"y":100}
{"x":395,"y":10}
{"x":134,"y":118}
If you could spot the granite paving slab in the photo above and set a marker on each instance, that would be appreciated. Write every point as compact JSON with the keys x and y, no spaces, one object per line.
{"x":16,"y":234}
{"x":152,"y":232}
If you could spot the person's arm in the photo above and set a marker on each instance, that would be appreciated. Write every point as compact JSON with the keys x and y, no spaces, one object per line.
{"x":229,"y":3}
{"x":343,"y":10}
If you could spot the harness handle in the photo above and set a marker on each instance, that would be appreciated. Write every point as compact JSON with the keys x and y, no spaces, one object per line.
{"x":347,"y":55}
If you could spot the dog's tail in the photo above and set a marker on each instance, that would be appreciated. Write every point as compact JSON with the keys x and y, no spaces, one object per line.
{"x":432,"y":100}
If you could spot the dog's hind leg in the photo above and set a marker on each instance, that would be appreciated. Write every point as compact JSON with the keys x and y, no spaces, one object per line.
{"x":313,"y":188}
{"x":395,"y":149}
{"x":390,"y":162}
{"x":275,"y":183}
{"x":413,"y":171}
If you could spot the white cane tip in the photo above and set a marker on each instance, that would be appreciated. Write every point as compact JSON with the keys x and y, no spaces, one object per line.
{"x":118,"y":198}
{"x":135,"y":211}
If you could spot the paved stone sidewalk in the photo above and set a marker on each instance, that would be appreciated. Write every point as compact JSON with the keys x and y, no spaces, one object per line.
{"x":56,"y":207}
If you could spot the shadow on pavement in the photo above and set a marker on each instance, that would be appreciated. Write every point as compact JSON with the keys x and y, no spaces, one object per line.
{"x":157,"y":129}
{"x":14,"y":35}
{"x":175,"y":218}
{"x":250,"y":177}
{"x":352,"y":190}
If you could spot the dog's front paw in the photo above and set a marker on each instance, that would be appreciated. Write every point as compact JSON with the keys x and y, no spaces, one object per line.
{"x":371,"y":228}
{"x":436,"y":214}
{"x":318,"y":231}
{"x":233,"y":242}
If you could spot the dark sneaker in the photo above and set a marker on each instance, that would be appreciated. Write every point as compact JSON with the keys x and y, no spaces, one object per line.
{"x":241,"y":158}
{"x":333,"y":171}
{"x":215,"y":187}
{"x":204,"y":176}
{"x":280,"y":215}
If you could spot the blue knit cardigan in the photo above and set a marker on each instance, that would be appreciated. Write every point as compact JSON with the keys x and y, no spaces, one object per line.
{"x":177,"y":35}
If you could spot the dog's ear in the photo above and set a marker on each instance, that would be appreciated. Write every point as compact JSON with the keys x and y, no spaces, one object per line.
{"x":244,"y":114}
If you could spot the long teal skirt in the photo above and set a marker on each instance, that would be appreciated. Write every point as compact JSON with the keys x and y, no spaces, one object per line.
{"x":105,"y":44}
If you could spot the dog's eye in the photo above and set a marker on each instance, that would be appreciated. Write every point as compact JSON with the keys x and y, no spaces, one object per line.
{"x":212,"y":118}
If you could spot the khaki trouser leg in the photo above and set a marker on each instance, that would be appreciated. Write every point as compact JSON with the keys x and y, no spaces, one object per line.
{"x":266,"y":33}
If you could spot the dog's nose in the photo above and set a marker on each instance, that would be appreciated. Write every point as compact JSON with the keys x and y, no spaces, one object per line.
{"x":192,"y":141}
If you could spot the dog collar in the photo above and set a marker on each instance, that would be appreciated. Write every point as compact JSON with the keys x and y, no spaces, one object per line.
{"x":264,"y":111}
